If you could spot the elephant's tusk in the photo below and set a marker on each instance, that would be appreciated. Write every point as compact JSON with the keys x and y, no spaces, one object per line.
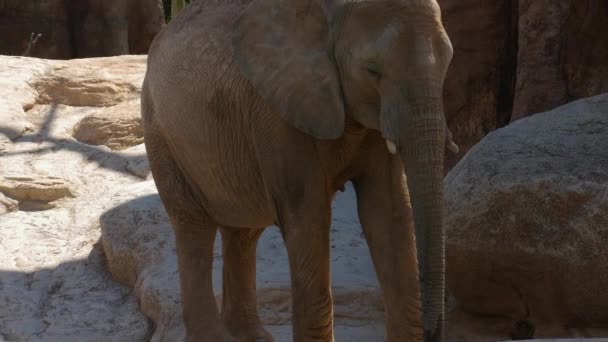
{"x":392,"y":148}
{"x":450,"y":144}
{"x":453,"y":147}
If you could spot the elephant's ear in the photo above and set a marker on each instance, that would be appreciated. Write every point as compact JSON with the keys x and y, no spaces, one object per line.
{"x":281,"y":46}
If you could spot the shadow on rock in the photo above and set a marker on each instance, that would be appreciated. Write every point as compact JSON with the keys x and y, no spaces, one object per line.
{"x":72,"y":301}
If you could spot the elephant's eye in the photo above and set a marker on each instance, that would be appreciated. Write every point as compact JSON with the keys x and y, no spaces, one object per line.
{"x":374,"y":70}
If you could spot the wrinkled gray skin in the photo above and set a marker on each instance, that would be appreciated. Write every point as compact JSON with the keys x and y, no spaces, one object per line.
{"x":255,"y":112}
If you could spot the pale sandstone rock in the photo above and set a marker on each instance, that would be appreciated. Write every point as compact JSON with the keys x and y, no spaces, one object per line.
{"x":93,"y":82}
{"x":13,"y":122}
{"x":53,"y":282}
{"x":18,"y":96}
{"x":54,"y":285}
{"x":37,"y":188}
{"x":117,"y":127}
{"x":7,"y":204}
{"x":527,"y":219}
{"x":137,"y":161}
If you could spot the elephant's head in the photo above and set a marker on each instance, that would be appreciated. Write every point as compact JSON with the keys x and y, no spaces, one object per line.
{"x":383,"y":63}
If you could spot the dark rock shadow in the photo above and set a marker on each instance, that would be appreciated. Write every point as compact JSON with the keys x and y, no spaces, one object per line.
{"x":73,"y":301}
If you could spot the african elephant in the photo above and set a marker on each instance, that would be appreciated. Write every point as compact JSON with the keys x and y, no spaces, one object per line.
{"x":256,"y":111}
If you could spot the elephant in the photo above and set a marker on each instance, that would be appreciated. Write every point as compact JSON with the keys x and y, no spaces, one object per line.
{"x":255,"y":112}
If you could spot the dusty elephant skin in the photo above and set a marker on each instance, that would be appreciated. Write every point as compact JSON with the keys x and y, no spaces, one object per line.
{"x":255,"y":112}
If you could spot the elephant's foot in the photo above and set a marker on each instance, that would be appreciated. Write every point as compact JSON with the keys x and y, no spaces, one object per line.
{"x":216,"y":334}
{"x":250,"y":332}
{"x":261,"y":335}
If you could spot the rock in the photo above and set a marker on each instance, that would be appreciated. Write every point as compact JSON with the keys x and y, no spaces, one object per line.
{"x":7,"y":204}
{"x":526,"y":57}
{"x":13,"y":121}
{"x":95,"y":82}
{"x":117,"y":127}
{"x":54,"y":285}
{"x":79,"y":28}
{"x":137,"y":161}
{"x":34,"y":188}
{"x":527,"y":219}
{"x":562,"y":53}
{"x":29,"y":83}
{"x":139,"y":246}
{"x":478,"y":90}
{"x":19,"y":96}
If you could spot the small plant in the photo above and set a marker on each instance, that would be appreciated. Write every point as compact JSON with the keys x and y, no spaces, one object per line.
{"x":172,"y":7}
{"x":32,"y":42}
{"x":176,"y":6}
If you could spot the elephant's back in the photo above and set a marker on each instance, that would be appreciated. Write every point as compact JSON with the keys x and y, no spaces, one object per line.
{"x":197,"y":43}
{"x":189,"y":60}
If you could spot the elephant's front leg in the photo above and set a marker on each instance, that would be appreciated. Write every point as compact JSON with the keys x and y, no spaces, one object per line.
{"x":306,"y":235}
{"x":194,"y":238}
{"x":239,"y":305}
{"x":385,"y":215}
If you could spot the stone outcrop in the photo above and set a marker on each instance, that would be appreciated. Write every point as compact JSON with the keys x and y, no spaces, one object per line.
{"x":514,"y":58}
{"x":527,"y":219}
{"x":7,"y":204}
{"x":478,"y":90}
{"x":38,"y":191}
{"x":78,"y":28}
{"x":118,"y":129}
{"x":53,"y":280}
{"x":562,"y":55}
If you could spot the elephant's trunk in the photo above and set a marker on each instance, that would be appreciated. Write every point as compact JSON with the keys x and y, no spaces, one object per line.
{"x":421,"y":130}
{"x":423,"y":156}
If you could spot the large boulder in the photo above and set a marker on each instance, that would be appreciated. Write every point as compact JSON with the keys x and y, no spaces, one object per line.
{"x":527,"y":219}
{"x":54,"y":285}
{"x":118,"y":127}
{"x":516,"y":58}
{"x":78,"y":28}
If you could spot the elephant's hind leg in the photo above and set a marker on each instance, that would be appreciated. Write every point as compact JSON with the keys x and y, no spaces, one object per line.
{"x":194,"y":236}
{"x":239,"y":306}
